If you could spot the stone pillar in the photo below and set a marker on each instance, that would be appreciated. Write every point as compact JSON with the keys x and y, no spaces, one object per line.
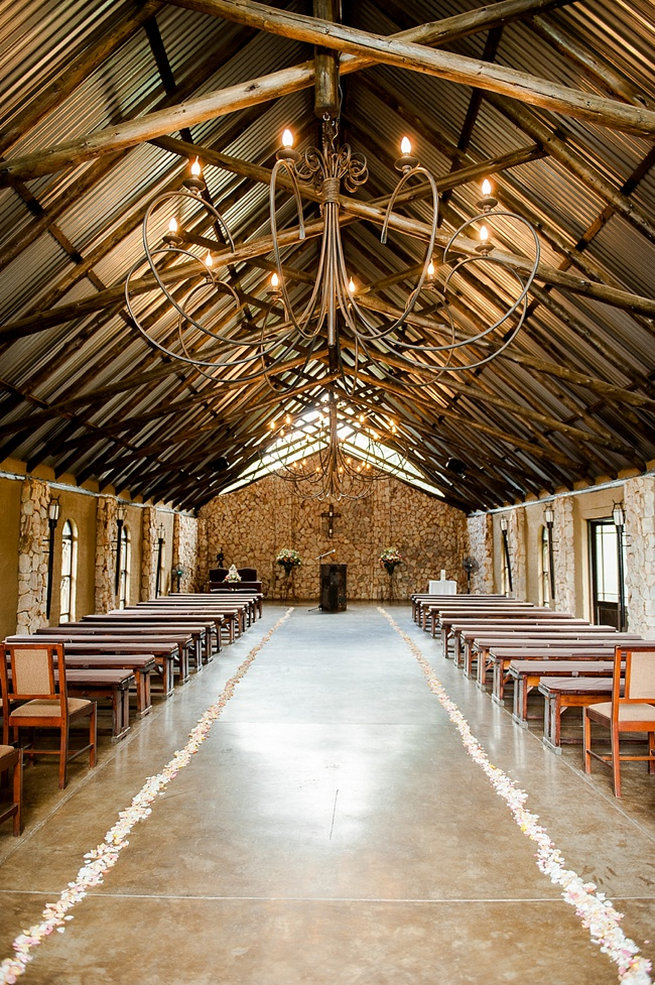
{"x":564,"y":557}
{"x":33,"y":556}
{"x":517,"y":532}
{"x":481,"y":549}
{"x":105,"y":587}
{"x":639,"y":534}
{"x":185,"y":553}
{"x":149,"y":553}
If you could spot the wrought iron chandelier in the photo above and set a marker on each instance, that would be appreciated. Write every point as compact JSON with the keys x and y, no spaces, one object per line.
{"x":200,"y":318}
{"x":332,"y":452}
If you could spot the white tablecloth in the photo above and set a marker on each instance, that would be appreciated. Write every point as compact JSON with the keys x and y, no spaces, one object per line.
{"x":443,"y":586}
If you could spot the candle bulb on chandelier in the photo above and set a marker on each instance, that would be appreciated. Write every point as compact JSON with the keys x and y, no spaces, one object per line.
{"x":487,"y":202}
{"x":194,"y":182}
{"x":351,"y":286}
{"x":172,"y":235}
{"x":431,"y":269}
{"x":287,"y":152}
{"x":406,"y":161}
{"x":485,"y":246}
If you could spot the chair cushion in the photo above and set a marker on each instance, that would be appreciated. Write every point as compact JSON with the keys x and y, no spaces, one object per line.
{"x":640,"y":712}
{"x":40,"y":708}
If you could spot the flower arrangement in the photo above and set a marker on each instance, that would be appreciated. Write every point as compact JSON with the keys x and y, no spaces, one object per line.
{"x":289,"y":559}
{"x":389,"y":558}
{"x":233,"y":574}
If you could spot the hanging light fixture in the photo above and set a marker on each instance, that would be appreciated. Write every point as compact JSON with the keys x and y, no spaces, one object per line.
{"x":333,"y":453}
{"x":210,"y":327}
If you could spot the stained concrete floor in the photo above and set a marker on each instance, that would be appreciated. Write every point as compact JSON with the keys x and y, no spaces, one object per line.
{"x":332,"y":830}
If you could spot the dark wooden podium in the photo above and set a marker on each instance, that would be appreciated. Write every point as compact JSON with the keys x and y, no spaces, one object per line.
{"x":333,"y":588}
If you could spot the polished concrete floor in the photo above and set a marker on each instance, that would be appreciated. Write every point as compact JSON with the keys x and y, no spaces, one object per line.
{"x":331,"y":830}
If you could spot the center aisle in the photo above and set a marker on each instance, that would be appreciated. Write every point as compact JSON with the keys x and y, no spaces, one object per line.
{"x":331,"y":830}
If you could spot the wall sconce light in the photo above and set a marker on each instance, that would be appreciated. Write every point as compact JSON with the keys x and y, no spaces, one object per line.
{"x":503,"y":528}
{"x":618,"y":516}
{"x":549,"y":518}
{"x":160,"y":550}
{"x":121,"y":514}
{"x":54,"y":510}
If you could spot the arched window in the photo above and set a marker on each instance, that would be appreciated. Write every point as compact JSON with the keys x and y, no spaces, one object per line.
{"x":124,"y":573}
{"x":68,"y":584}
{"x":544,"y":567}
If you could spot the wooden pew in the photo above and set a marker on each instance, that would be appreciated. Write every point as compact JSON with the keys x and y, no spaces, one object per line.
{"x":79,"y":652}
{"x":93,"y":682}
{"x":468,"y":636}
{"x":585,"y":646}
{"x":104,"y":684}
{"x":562,"y":693}
{"x":527,"y":675}
{"x":170,"y":650}
{"x":139,"y":626}
{"x":479,"y":649}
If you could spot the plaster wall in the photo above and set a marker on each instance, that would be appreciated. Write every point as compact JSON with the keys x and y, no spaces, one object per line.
{"x":10,"y":494}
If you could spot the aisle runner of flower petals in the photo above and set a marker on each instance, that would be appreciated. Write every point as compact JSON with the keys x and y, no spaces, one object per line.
{"x":595,"y":911}
{"x":104,"y":857}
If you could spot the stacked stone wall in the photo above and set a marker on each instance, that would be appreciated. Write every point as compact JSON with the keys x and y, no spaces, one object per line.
{"x":185,"y":554}
{"x":481,"y":549}
{"x":33,"y":556}
{"x":252,"y":525}
{"x":639,"y":504}
{"x":149,"y":553}
{"x":564,"y":555}
{"x":105,"y":594}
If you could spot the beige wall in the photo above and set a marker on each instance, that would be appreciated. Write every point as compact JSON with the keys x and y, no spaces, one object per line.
{"x":81,"y":510}
{"x":23,"y":505}
{"x":10,"y":491}
{"x":571,"y":548}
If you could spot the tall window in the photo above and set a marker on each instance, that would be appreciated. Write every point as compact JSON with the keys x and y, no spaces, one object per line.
{"x":124,"y":574}
{"x":606,"y":590}
{"x":68,"y":572}
{"x":544,"y":567}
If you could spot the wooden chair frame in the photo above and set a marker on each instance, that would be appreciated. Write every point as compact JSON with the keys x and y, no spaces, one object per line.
{"x":632,"y":711}
{"x":64,"y":711}
{"x":12,"y":760}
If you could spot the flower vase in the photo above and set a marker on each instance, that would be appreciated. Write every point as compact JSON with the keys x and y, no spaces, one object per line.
{"x":289,"y":586}
{"x":390,"y":568}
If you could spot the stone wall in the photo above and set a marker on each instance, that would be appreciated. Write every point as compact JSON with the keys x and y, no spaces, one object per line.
{"x":149,"y":552}
{"x":33,"y":556}
{"x":251,"y":525}
{"x":564,"y":555}
{"x":105,"y":585}
{"x":481,"y":546}
{"x":185,"y":554}
{"x":639,"y":504}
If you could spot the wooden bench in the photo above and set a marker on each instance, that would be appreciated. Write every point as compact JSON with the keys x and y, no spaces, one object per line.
{"x":589,"y":647}
{"x":548,"y":640}
{"x":129,"y":656}
{"x":527,"y":675}
{"x":562,"y":693}
{"x":114,"y":685}
{"x":170,"y":650}
{"x":134,"y":622}
{"x":95,"y":683}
